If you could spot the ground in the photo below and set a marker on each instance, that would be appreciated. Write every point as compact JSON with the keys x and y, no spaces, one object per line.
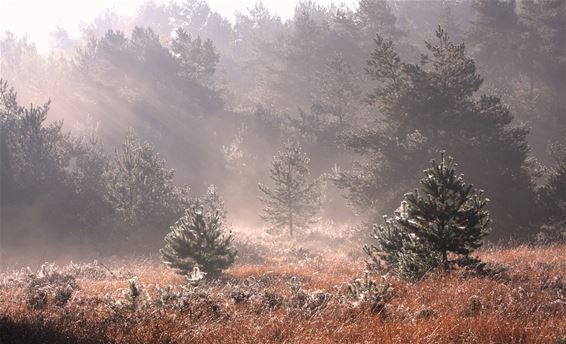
{"x":300,"y":297}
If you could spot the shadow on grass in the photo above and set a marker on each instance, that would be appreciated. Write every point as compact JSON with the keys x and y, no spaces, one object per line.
{"x":36,"y":330}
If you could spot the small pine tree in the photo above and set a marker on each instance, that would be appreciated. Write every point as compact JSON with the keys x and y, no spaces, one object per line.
{"x":450,"y":216}
{"x":198,"y":239}
{"x":446,"y":216}
{"x":399,"y":251}
{"x":294,"y":201}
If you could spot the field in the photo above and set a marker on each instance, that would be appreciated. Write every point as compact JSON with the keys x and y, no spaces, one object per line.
{"x":297,"y":297}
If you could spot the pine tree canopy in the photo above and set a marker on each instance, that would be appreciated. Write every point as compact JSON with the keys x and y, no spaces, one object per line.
{"x":447,"y":214}
{"x":294,"y":201}
{"x":199,"y":239}
{"x":422,"y":108}
{"x":140,"y":188}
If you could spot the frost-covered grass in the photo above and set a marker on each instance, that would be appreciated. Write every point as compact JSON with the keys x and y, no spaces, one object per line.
{"x":281,"y":295}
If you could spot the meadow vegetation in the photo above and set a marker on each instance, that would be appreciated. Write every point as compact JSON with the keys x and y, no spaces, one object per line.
{"x":227,"y":176}
{"x":292,"y":295}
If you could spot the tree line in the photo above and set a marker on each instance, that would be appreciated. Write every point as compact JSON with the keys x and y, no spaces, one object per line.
{"x":366,"y":96}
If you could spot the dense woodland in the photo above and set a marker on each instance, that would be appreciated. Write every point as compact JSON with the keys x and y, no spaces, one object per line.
{"x":108,"y":139}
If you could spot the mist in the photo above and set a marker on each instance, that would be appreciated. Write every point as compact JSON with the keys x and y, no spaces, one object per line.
{"x":212,"y":171}
{"x":213,"y":91}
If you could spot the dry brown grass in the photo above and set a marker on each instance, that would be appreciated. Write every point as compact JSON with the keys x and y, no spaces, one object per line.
{"x":527,"y":304}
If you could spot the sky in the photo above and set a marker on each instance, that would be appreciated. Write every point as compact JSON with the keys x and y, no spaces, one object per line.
{"x":37,"y":18}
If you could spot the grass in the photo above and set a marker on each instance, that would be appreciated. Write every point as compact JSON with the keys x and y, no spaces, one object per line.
{"x":256,"y":303}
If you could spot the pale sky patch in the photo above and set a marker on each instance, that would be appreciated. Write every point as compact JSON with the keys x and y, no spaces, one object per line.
{"x":38,"y":18}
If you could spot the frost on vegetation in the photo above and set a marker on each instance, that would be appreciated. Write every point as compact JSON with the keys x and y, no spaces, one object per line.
{"x":196,"y":276}
{"x":48,"y":273}
{"x":96,"y":271}
{"x":367,"y":292}
{"x":443,"y":219}
{"x":199,"y":239}
{"x":135,"y":297}
{"x":477,"y":267}
{"x":47,"y":286}
{"x":554,"y":234}
{"x":312,"y":301}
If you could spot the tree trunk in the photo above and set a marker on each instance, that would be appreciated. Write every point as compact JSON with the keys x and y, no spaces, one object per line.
{"x":445,"y":265}
{"x":531,"y":84}
{"x":291,"y":223}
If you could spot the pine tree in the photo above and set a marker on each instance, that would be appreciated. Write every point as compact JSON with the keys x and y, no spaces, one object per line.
{"x":446,"y":216}
{"x":398,"y":251}
{"x":338,"y":92}
{"x":520,"y":45}
{"x":294,"y":201}
{"x":139,"y":187}
{"x":198,"y":59}
{"x":335,"y":103}
{"x":198,"y":239}
{"x":376,"y":16}
{"x":424,"y":107}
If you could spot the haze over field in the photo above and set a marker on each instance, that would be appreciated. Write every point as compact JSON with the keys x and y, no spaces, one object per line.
{"x":213,"y":91}
{"x":192,"y":171}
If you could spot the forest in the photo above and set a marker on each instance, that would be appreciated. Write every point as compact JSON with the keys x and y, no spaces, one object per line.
{"x":330,"y":170}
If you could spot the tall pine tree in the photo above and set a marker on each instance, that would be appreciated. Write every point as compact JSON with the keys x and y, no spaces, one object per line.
{"x":424,"y":107}
{"x":294,"y":201}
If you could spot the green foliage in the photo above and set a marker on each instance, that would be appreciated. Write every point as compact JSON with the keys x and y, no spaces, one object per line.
{"x":85,"y":177}
{"x":46,"y":172}
{"x":446,"y":216}
{"x":336,"y":99}
{"x":139,"y":187}
{"x":197,"y":59}
{"x":425,"y":107}
{"x":198,"y":239}
{"x":396,"y":250}
{"x":34,"y":152}
{"x":552,"y":197}
{"x":131,"y":72}
{"x":520,"y":45}
{"x":75,"y":190}
{"x":133,"y":297}
{"x":366,"y":290}
{"x":553,"y":194}
{"x":294,"y":201}
{"x":338,"y":92}
{"x":376,"y":17}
